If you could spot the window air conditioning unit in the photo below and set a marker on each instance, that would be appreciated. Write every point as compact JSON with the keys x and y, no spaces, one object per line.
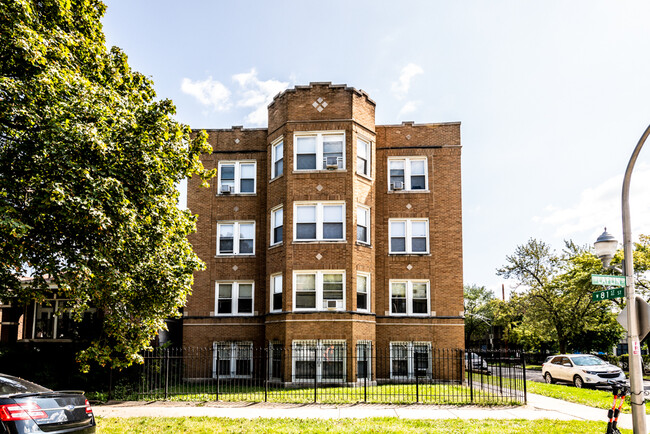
{"x":226,"y":189}
{"x":333,"y":304}
{"x":331,"y":163}
{"x":397,"y":185}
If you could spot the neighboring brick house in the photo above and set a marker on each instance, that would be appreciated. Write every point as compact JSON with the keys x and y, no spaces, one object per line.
{"x":325,"y":230}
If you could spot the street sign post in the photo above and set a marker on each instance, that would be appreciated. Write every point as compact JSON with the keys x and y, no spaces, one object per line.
{"x":643,"y":317}
{"x":608,"y":294}
{"x":607,"y":280}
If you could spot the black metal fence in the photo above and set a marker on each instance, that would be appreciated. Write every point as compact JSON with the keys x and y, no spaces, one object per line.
{"x":332,"y":373}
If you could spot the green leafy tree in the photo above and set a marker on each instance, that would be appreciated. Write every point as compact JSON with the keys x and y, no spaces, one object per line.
{"x":89,"y":160}
{"x":479,"y":313}
{"x":556,"y":302}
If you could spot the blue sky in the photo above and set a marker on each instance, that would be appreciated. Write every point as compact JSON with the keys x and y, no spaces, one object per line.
{"x":552,"y":96}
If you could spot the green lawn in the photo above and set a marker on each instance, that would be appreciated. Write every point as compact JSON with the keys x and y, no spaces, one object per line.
{"x":591,"y":397}
{"x":369,"y":425}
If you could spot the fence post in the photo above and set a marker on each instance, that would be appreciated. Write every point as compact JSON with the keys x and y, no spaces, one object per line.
{"x":166,"y":350}
{"x":500,"y":376}
{"x":316,"y":374}
{"x":468,"y":369}
{"x":217,"y":369}
{"x":523,"y":367}
{"x":266,"y":377}
{"x":417,"y":381}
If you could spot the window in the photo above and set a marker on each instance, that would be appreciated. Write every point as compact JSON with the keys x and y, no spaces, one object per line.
{"x":363,"y":292}
{"x":363,"y":157}
{"x":409,"y":297}
{"x":277,"y":159}
{"x":234,"y":298}
{"x":408,"y":236}
{"x":408,"y":174}
{"x":52,"y":320}
{"x":276,"y":225}
{"x":363,"y":224}
{"x":236,"y":238}
{"x":364,"y":360}
{"x":410,"y":359}
{"x":276,"y":292}
{"x":237,"y":177}
{"x":232,"y":359}
{"x":319,"y":151}
{"x":319,"y":290}
{"x":322,"y":221}
{"x":320,"y":360}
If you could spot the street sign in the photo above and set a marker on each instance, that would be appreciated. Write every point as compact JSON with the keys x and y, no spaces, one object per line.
{"x":608,"y":294}
{"x":607,"y":280}
{"x":643,"y":317}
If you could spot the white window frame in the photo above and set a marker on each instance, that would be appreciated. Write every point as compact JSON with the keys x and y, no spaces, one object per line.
{"x":274,"y":159}
{"x":236,"y":237}
{"x":410,"y":358}
{"x":409,"y":297}
{"x":407,"y":173}
{"x":368,"y":286}
{"x":319,"y":135}
{"x":366,"y":223}
{"x":238,"y":164}
{"x":232,"y":347}
{"x":318,"y":283}
{"x":319,"y":220}
{"x":234,"y":307}
{"x":408,"y":236}
{"x":274,"y":211}
{"x":274,"y":290}
{"x":323,"y":348}
{"x":368,"y":146}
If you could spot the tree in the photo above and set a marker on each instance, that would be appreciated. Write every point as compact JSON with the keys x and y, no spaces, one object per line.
{"x":556,"y":303}
{"x":478,"y":312}
{"x":89,"y":160}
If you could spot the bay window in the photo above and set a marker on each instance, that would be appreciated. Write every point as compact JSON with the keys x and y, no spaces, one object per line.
{"x":277,"y":224}
{"x":319,"y":221}
{"x":319,"y":290}
{"x":277,"y":159}
{"x":319,"y":151}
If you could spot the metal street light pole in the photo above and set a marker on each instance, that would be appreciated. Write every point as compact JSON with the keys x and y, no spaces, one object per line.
{"x":637,"y":397}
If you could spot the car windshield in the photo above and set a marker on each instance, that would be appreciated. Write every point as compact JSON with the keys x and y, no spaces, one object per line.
{"x":10,"y":385}
{"x":587,"y":361}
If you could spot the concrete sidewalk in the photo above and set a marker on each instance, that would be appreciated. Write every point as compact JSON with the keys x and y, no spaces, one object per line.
{"x":538,"y":407}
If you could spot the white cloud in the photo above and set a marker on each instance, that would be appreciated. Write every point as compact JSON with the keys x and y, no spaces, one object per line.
{"x":257,"y":94}
{"x":208,"y":92}
{"x":601,"y":206}
{"x":401,"y":87}
{"x":409,"y":107}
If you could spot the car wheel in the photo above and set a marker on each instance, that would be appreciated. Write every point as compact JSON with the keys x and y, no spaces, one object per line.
{"x":578,"y":382}
{"x":548,"y":378}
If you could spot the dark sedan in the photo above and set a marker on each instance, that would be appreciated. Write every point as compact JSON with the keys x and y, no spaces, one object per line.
{"x":27,"y":407}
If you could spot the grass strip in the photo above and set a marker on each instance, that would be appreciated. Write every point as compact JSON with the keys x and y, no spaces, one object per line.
{"x":357,"y":426}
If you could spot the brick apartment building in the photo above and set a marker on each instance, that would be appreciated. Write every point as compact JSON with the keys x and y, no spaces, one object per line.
{"x":327,"y":232}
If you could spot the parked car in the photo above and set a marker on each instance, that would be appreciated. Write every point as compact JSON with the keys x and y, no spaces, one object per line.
{"x":26,"y":407}
{"x":581,"y":370}
{"x":478,"y":363}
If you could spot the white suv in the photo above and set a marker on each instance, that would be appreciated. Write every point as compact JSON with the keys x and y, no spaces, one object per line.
{"x":581,"y":370}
